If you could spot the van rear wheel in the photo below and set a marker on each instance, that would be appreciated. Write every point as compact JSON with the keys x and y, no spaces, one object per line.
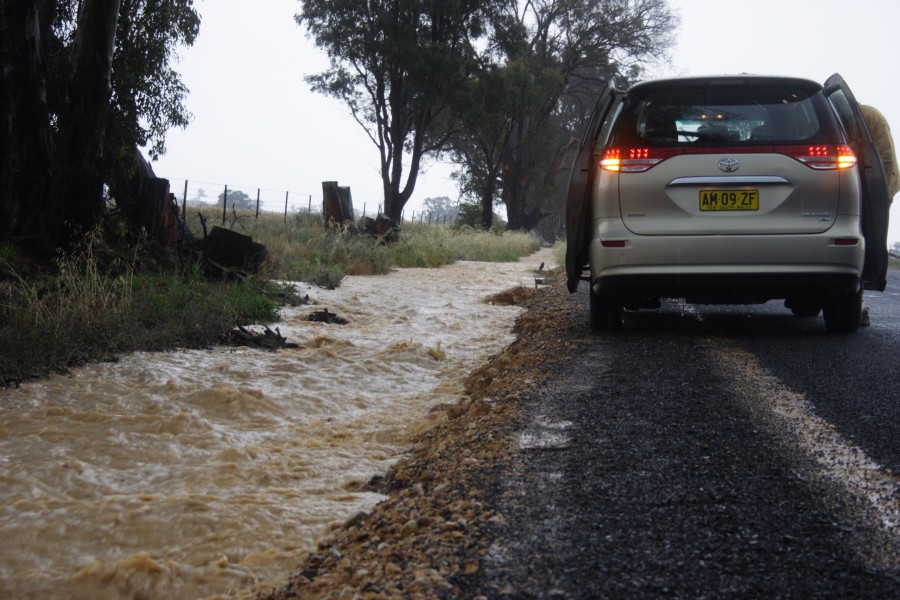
{"x":606,"y":315}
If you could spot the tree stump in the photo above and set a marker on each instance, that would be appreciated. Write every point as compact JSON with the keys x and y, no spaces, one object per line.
{"x":227,"y":252}
{"x":146,"y":203}
{"x":337,"y":204}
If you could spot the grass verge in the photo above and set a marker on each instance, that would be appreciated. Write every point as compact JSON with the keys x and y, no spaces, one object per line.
{"x":301,"y":248}
{"x":82,"y":313}
{"x":97,"y":303}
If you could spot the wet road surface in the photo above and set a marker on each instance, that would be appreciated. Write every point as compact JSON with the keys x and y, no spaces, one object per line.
{"x":709,"y":452}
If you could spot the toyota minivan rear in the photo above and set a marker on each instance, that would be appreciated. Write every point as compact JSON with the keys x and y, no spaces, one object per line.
{"x":718,"y":190}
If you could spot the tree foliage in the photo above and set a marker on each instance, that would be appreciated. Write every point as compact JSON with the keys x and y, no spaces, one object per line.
{"x":471,"y":215}
{"x":148,"y":94}
{"x":441,"y":208}
{"x":85,"y":84}
{"x":550,"y":58}
{"x":238,"y":199}
{"x":396,"y":64}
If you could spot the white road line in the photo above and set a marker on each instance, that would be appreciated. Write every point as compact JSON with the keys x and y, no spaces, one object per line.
{"x":791,"y":417}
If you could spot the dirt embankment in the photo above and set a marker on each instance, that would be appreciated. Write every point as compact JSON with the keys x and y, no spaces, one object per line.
{"x":426,"y":540}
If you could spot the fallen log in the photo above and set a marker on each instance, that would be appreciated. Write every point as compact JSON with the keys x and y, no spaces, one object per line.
{"x":266,"y":340}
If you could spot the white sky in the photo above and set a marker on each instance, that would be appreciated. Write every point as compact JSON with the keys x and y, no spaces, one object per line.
{"x":257,"y":125}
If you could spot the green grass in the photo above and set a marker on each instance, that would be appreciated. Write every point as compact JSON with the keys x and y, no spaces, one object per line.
{"x":105,"y":299}
{"x":84,"y":312}
{"x":301,"y":248}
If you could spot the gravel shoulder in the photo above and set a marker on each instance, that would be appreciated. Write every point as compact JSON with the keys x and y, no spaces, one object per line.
{"x":427,"y":540}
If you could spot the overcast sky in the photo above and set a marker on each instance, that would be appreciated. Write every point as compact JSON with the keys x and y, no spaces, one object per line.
{"x":257,"y":125}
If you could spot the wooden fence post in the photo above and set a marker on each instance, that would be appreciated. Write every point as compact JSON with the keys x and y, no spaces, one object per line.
{"x":224,"y":206}
{"x":183,"y":214}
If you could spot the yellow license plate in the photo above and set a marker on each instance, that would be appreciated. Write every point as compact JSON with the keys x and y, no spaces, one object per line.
{"x":725,"y":200}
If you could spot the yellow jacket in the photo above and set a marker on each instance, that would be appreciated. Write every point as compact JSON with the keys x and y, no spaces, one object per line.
{"x":881,"y":136}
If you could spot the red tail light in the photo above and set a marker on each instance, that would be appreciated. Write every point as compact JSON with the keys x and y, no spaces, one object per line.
{"x":634,"y":160}
{"x":816,"y":156}
{"x":821,"y":157}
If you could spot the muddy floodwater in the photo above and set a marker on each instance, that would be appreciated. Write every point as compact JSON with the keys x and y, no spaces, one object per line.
{"x":210,"y":474}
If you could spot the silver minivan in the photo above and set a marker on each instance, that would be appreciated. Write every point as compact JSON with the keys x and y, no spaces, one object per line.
{"x":728,"y":190}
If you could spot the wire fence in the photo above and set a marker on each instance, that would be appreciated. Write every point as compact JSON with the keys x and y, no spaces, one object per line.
{"x":202,"y":194}
{"x":206,"y":195}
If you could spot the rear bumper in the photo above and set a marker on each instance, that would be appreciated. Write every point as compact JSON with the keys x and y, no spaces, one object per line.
{"x":725,"y":269}
{"x":725,"y":288}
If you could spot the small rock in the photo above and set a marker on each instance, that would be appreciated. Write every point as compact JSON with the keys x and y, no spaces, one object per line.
{"x":409,"y":528}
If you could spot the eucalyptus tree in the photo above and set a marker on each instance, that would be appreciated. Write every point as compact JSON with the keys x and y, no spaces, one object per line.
{"x":549,"y":59}
{"x":85,"y":82}
{"x":396,"y":64}
{"x":497,"y":99}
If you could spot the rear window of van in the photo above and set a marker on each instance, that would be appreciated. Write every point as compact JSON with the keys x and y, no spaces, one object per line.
{"x":724,"y":116}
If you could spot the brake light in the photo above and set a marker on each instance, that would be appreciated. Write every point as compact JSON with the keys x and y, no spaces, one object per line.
{"x":634,"y":160}
{"x":822,"y":157}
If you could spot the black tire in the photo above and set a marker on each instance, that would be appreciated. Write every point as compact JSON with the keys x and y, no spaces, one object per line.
{"x":843,"y":313}
{"x":605,"y":314}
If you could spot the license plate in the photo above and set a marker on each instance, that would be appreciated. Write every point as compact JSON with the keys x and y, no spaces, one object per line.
{"x":726,"y":200}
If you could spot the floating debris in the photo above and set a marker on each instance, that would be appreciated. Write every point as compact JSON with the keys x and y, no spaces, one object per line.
{"x":324,"y":316}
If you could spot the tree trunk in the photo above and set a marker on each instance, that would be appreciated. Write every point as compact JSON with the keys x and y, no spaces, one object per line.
{"x":516,"y":175}
{"x":395,"y":199}
{"x":520,"y":218}
{"x":393,"y":206}
{"x":6,"y":209}
{"x":25,"y":155}
{"x":487,"y":207}
{"x":78,"y":181}
{"x":146,"y":203}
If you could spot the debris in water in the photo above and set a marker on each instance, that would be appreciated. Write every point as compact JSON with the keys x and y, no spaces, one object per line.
{"x":324,"y":316}
{"x":268,"y":339}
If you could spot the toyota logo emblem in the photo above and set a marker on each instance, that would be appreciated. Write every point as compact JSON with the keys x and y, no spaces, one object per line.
{"x":729,"y":165}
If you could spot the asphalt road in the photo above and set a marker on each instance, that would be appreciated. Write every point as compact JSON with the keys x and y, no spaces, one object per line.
{"x":708,"y":452}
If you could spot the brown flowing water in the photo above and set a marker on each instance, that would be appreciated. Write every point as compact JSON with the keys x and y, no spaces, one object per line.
{"x":210,"y":474}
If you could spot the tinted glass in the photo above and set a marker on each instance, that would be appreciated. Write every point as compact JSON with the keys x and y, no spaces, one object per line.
{"x":842,"y":105}
{"x":721,"y":115}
